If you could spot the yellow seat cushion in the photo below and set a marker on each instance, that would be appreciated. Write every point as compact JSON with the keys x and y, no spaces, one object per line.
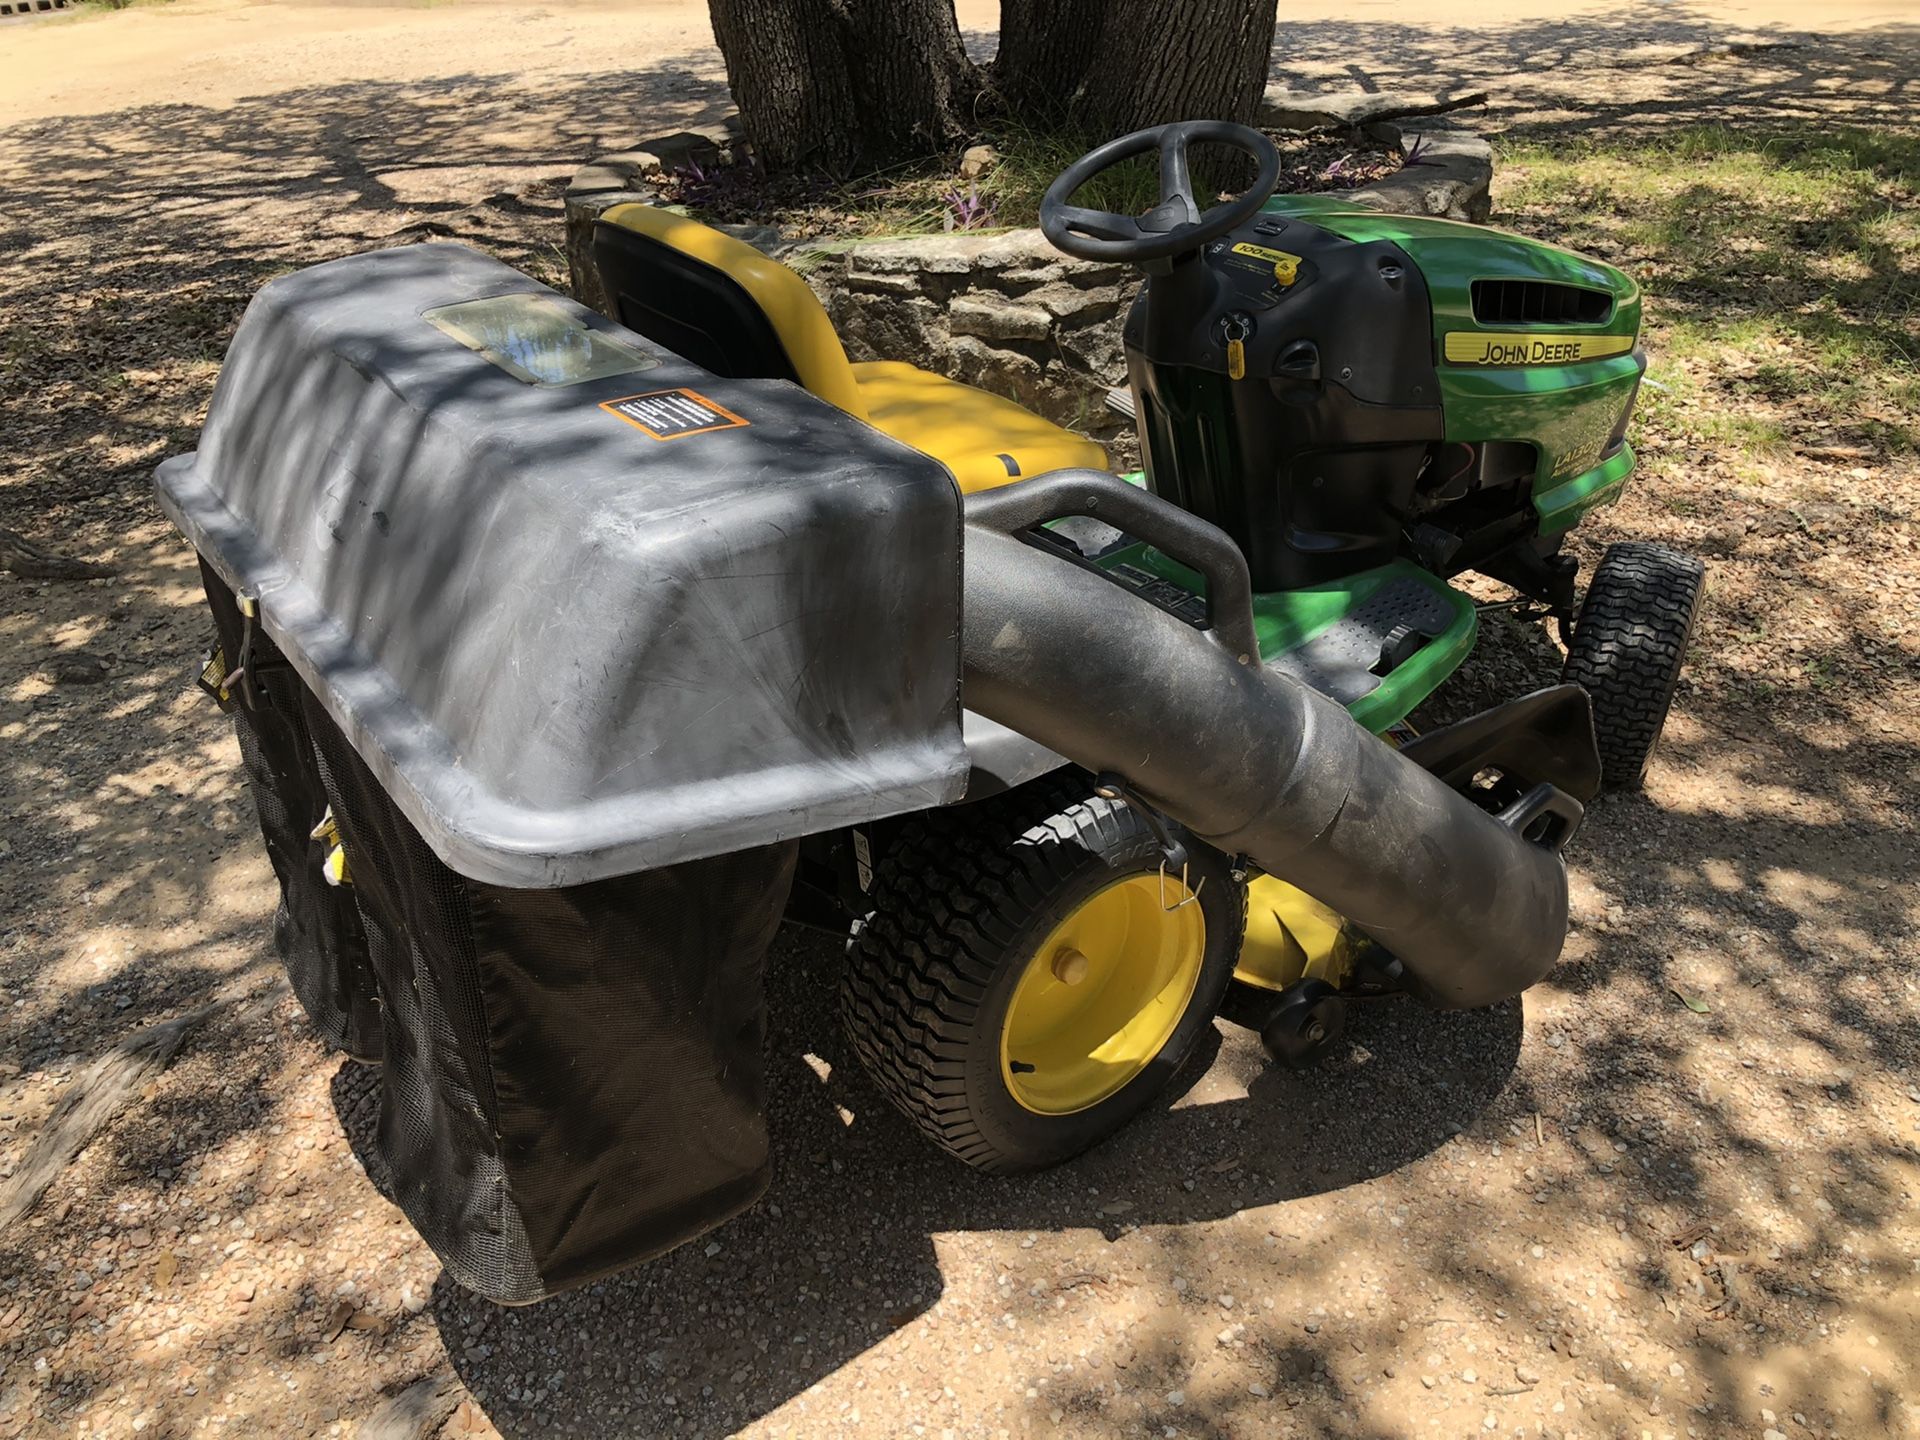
{"x":983,"y":439}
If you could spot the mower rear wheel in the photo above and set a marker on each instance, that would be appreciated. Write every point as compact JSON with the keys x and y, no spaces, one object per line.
{"x":1030,"y":977}
{"x":1628,"y":647}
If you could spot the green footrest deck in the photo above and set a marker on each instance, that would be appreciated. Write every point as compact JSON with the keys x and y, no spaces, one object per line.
{"x":1379,"y":642}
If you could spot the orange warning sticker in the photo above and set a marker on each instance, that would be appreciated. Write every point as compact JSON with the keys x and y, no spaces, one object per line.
{"x":672,"y":414}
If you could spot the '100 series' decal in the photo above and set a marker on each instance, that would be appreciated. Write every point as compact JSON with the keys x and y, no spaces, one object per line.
{"x":1478,"y":347}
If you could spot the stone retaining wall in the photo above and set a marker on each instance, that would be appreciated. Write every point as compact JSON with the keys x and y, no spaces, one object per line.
{"x":1006,"y":312}
{"x":1003,"y":311}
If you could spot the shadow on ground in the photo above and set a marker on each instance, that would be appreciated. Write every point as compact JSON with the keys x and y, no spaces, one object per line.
{"x":842,"y":1251}
{"x":1633,"y":73}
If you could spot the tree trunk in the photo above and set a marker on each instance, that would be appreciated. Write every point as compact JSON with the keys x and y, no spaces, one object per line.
{"x":846,"y":85}
{"x":1111,"y":66}
{"x":1047,"y":50}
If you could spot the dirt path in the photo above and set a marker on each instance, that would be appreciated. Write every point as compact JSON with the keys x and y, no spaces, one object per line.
{"x":217,"y":52}
{"x":1598,"y":1214}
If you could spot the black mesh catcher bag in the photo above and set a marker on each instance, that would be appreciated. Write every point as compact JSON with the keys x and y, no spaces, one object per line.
{"x":574,"y":1079}
{"x":316,"y":927}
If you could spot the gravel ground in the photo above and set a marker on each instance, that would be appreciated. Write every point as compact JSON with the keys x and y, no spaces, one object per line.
{"x":1598,"y":1213}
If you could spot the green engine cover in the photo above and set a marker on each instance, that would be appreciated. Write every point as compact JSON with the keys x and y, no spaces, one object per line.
{"x":1532,"y":345}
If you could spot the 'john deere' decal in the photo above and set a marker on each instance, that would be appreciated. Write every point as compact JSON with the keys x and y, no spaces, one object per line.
{"x":1476,"y":347}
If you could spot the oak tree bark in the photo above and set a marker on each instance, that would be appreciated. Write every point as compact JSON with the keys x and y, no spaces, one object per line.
{"x":1047,"y":49}
{"x":846,"y":85}
{"x":855,"y":85}
{"x":1111,"y":66}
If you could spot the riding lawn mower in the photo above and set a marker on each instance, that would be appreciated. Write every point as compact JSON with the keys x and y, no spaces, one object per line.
{"x":571,"y":653}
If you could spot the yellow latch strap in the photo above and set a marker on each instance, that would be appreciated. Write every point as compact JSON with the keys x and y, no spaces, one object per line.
{"x":333,"y":865}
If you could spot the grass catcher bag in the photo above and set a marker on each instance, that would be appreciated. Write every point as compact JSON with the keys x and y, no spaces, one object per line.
{"x":561,"y":644}
{"x":573,"y":1079}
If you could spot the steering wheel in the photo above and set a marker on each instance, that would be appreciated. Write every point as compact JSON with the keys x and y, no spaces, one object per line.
{"x":1176,"y":224}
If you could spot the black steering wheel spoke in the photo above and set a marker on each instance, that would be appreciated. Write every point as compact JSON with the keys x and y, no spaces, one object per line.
{"x":1176,"y":179}
{"x":1100,"y":224}
{"x":1177,"y":224}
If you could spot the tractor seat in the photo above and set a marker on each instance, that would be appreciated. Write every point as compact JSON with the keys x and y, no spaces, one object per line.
{"x":728,"y":308}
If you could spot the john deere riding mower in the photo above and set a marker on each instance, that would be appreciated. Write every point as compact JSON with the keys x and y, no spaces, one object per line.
{"x":570,"y":653}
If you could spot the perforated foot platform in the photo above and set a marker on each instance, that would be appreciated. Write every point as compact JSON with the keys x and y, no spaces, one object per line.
{"x":1350,"y":657}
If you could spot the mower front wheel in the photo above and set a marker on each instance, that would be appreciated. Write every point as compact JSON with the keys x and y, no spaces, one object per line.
{"x":1032,"y":976}
{"x":1628,"y":647}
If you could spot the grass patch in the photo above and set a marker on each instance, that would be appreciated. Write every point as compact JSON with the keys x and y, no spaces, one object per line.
{"x":1781,"y":271}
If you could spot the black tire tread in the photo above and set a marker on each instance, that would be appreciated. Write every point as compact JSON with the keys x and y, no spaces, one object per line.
{"x":1628,"y":647}
{"x":949,"y":897}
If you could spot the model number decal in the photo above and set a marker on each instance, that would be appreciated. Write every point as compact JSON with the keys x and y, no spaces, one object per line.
{"x":1589,"y":446}
{"x":1286,"y":268}
{"x":1477,"y":347}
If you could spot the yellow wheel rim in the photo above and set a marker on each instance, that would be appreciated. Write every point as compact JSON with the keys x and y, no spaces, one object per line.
{"x":1102,"y":995}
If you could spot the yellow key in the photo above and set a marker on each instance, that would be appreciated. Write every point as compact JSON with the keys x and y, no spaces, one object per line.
{"x":1237,"y":359}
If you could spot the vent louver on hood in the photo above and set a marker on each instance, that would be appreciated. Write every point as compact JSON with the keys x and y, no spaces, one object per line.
{"x":1538,"y":302}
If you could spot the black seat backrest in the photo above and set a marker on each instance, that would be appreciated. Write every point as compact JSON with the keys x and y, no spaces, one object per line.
{"x":695,"y":310}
